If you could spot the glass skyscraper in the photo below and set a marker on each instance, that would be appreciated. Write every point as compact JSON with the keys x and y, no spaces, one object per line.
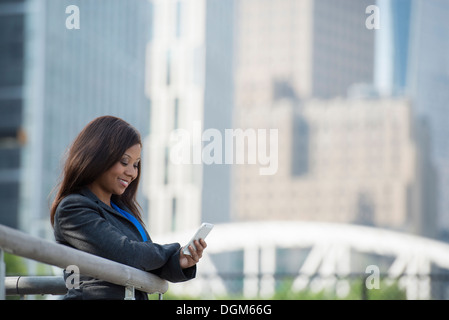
{"x":428,"y":85}
{"x":412,"y":60}
{"x":73,"y":76}
{"x":12,"y":47}
{"x":401,"y":11}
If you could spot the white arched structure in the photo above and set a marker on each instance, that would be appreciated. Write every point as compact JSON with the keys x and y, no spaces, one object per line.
{"x":330,"y":246}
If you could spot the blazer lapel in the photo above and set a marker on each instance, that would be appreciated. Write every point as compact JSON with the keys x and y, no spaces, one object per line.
{"x":88,"y":193}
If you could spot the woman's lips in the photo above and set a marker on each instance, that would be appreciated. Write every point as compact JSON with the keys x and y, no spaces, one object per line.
{"x":124,"y":183}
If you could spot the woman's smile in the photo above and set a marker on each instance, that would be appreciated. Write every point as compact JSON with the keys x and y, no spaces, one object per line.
{"x":123,"y":182}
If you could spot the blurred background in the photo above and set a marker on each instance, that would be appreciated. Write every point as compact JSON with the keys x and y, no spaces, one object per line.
{"x":356,"y":91}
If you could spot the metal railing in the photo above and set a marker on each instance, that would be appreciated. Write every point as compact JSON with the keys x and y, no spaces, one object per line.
{"x":35,"y":285}
{"x":44,"y":251}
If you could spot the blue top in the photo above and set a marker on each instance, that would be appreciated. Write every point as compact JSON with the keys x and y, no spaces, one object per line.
{"x":131,"y":218}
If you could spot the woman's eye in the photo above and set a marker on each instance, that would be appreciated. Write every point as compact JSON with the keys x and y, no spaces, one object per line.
{"x":124,"y":163}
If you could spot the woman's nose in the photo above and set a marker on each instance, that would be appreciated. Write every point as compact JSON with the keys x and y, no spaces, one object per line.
{"x":131,"y":172}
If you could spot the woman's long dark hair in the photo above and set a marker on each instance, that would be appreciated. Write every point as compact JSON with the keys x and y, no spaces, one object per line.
{"x":96,"y":149}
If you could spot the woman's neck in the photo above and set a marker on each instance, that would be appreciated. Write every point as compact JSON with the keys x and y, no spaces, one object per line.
{"x":103,"y":196}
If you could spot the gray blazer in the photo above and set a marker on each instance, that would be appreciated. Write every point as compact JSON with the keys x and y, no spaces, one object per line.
{"x":84,"y":222}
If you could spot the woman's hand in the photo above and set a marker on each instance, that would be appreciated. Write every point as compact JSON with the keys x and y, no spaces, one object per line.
{"x":187,"y":261}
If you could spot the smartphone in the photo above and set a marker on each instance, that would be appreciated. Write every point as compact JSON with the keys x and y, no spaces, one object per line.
{"x":201,"y":233}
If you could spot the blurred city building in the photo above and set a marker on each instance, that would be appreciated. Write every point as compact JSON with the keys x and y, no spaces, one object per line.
{"x":412,"y":61}
{"x":427,"y":85}
{"x":308,"y":69}
{"x":12,"y":86}
{"x":310,"y":48}
{"x":342,"y":160}
{"x":71,"y":77}
{"x":190,"y":83}
{"x":306,"y":64}
{"x":393,"y":42}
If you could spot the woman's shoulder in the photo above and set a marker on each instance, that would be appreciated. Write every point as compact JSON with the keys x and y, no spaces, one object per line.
{"x":76,"y":199}
{"x":75,"y":206}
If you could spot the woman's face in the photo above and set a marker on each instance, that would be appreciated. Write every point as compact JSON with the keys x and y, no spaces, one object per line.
{"x":119,"y":176}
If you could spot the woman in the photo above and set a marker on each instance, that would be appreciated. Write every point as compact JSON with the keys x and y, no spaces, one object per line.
{"x":95,"y":210}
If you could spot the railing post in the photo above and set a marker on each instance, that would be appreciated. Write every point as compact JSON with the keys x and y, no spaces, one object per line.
{"x":129,"y":293}
{"x":2,"y":275}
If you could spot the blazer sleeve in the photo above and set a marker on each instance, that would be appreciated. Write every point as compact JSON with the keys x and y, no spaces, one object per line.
{"x":172,"y":271}
{"x":78,"y":221}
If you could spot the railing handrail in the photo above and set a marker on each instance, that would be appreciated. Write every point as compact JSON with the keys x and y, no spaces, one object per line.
{"x":35,"y":285}
{"x":21,"y":244}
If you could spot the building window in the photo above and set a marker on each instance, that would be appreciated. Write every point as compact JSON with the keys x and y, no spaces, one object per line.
{"x":176,"y":114}
{"x":178,"y":19}
{"x":166,"y":163}
{"x":173,"y":213}
{"x":168,"y":68}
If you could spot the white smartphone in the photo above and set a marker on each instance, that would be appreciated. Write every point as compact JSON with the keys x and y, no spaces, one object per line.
{"x":201,"y":233}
